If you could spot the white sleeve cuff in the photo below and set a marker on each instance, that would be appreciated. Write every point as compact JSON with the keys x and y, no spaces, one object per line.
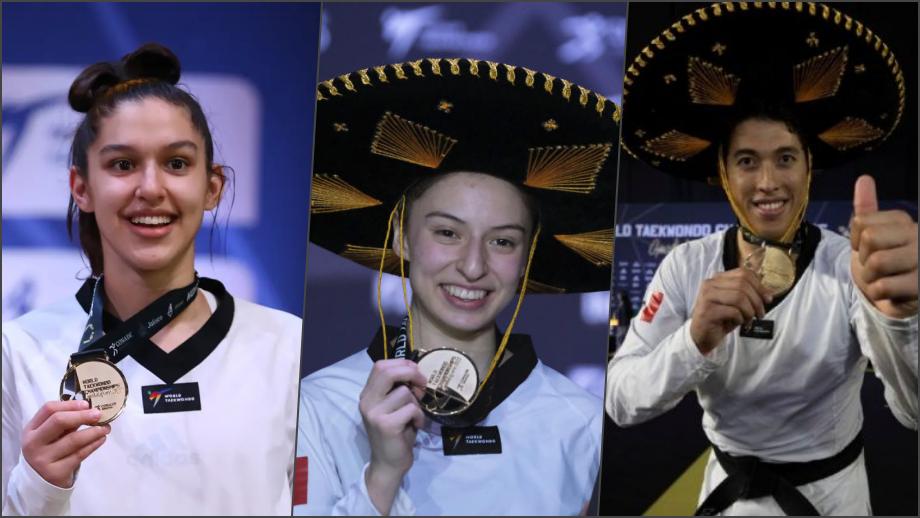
{"x":33,"y":494}
{"x":402,"y":504}
{"x":703,"y":362}
{"x":896,"y":324}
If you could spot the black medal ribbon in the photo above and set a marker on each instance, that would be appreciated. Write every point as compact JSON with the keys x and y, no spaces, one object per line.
{"x":793,"y":248}
{"x":119,"y":343}
{"x":401,"y":346}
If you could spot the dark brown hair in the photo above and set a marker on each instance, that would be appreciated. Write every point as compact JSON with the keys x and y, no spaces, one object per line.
{"x":150,"y":71}
{"x":420,"y":187}
{"x":764,"y":111}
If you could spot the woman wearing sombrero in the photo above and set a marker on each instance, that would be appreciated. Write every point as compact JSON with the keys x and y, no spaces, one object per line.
{"x":772,"y":322}
{"x":479,"y":182}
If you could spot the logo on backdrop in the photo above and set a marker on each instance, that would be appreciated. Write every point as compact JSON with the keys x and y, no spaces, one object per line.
{"x":425,"y":28}
{"x":590,"y":36}
{"x":38,"y":126}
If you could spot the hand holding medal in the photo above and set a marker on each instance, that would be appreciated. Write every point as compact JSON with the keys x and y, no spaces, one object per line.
{"x":54,"y":444}
{"x":391,"y":413}
{"x":726,"y":301}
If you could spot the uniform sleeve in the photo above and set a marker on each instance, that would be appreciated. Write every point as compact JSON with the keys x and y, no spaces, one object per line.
{"x":891,"y":346}
{"x":595,"y":430}
{"x":658,"y":362}
{"x":327,"y":494}
{"x":25,"y":492}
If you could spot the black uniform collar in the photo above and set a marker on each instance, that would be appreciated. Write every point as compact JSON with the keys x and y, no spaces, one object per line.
{"x":171,"y":366}
{"x":811,"y":236}
{"x":518,"y":362}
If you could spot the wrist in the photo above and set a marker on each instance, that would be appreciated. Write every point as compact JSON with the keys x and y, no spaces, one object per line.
{"x":382,"y":483}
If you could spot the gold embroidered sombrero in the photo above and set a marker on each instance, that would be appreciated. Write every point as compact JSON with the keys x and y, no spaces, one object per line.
{"x":378,"y":130}
{"x":838,"y":77}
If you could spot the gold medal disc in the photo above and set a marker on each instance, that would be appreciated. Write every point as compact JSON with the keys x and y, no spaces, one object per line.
{"x":100,"y":383}
{"x":777,"y":270}
{"x":774,"y":266}
{"x":452,"y":381}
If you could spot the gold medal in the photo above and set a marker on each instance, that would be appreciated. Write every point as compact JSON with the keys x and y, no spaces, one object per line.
{"x":100,"y":383}
{"x":775,"y":268}
{"x":452,"y":381}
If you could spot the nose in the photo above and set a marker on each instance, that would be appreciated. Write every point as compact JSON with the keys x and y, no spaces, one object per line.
{"x":473,"y":263}
{"x":151,"y":188}
{"x":766,"y":178}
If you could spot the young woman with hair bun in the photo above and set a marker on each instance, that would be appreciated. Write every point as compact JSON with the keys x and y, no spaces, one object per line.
{"x":176,"y":397}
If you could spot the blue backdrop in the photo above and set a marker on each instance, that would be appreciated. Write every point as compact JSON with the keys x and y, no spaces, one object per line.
{"x":252,"y":66}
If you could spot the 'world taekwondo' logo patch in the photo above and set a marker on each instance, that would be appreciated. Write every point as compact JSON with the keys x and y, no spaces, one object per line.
{"x":654,"y":303}
{"x":156,"y":395}
{"x":181,"y":397}
{"x":474,"y":440}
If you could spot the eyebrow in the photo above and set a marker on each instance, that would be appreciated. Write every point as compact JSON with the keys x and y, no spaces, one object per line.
{"x":509,"y":226}
{"x":124,"y":147}
{"x":783,"y":149}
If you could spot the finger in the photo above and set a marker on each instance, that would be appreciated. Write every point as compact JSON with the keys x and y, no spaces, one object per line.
{"x":899,"y":288}
{"x":50,"y":407}
{"x":747,"y":285}
{"x":864,"y":198}
{"x":883,"y":236}
{"x":72,"y":461}
{"x":735,"y":298}
{"x":751,"y":282}
{"x":418,"y":420}
{"x":728,"y":317}
{"x":76,"y":441}
{"x":888,"y":263}
{"x":59,"y":422}
{"x":397,"y":398}
{"x":403,"y":417}
{"x":384,"y":376}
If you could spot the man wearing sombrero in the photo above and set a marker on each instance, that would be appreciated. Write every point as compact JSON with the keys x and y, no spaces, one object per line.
{"x":773,"y":321}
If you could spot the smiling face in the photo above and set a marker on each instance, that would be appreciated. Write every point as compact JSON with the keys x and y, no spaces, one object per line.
{"x":148,"y":185}
{"x":468,"y":240}
{"x":767,"y":170}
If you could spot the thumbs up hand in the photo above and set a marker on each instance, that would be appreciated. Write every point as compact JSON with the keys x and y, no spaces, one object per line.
{"x":884,"y":257}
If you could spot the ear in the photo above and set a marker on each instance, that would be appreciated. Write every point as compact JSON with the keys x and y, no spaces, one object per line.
{"x":216,"y":181}
{"x":79,"y":190}
{"x":400,"y":237}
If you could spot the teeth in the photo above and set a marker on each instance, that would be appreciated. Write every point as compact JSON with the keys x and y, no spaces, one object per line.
{"x":151,"y":220}
{"x":772,"y":205}
{"x":465,"y":294}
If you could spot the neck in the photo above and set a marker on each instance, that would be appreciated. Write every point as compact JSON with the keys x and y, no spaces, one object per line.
{"x":745,"y":249}
{"x":480,"y":345}
{"x":128,"y":291}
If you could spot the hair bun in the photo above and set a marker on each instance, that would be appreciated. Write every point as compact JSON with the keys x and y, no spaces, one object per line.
{"x":152,"y":60}
{"x":91,"y":84}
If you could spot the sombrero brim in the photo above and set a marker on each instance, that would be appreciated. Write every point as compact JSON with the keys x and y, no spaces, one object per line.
{"x":381,"y":129}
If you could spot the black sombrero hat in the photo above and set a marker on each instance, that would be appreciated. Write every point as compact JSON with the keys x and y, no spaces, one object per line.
{"x":837,"y":76}
{"x":379,"y":130}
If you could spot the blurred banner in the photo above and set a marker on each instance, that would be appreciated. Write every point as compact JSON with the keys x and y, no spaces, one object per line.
{"x":252,"y":67}
{"x":582,"y":43}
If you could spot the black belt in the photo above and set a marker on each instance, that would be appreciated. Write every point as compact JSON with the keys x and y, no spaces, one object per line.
{"x":749,"y":477}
